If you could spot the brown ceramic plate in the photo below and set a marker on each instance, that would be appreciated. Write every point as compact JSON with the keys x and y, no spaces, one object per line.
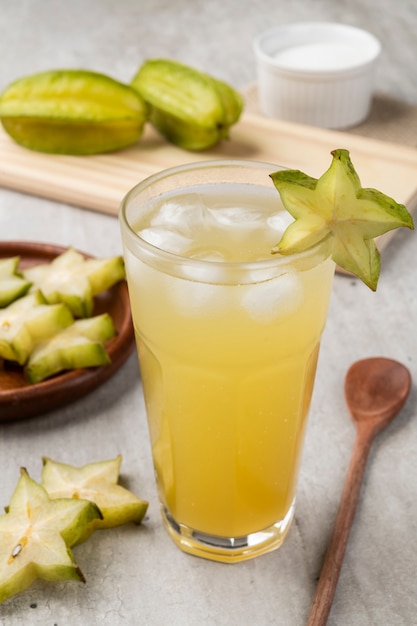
{"x":18,"y":399}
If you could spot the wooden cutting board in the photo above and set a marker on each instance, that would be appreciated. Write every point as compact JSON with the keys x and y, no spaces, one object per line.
{"x":99,"y":182}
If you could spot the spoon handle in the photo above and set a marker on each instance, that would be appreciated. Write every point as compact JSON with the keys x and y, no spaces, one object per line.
{"x":333,"y":559}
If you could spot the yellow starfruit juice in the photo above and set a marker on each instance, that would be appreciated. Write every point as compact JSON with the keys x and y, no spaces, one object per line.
{"x":228,"y":338}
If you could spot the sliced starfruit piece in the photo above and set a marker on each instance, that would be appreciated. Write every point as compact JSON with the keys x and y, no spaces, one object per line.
{"x":72,"y":112}
{"x":104,"y":273}
{"x":28,"y":321}
{"x":12,"y":284}
{"x":96,"y":482}
{"x":75,"y":280}
{"x":337,"y":205}
{"x":190,"y":108}
{"x":35,"y":535}
{"x":77,"y":346}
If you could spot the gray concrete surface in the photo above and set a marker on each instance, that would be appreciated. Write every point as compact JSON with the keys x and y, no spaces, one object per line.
{"x":136,"y":575}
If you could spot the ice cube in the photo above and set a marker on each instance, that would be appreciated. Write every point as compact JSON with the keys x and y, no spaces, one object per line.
{"x":267,"y":300}
{"x":280,"y":221}
{"x":186,"y":216}
{"x":195,"y":299}
{"x":211,"y":272}
{"x":166,"y":239}
{"x":238,"y":217}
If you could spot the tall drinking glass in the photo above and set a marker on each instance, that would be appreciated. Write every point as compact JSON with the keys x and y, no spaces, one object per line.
{"x":228,"y":338}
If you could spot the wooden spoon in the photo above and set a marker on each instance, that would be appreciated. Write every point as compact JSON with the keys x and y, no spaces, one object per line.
{"x":375,"y":391}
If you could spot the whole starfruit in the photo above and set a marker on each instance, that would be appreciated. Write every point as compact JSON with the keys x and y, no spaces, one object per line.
{"x":189,"y":108}
{"x":72,"y":112}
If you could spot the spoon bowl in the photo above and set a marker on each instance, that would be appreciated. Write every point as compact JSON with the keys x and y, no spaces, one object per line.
{"x":375,"y":391}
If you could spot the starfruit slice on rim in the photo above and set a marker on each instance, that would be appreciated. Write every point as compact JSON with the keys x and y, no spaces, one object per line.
{"x":97,"y":482}
{"x":12,"y":283}
{"x":35,"y":535}
{"x":336,"y":204}
{"x":72,"y":112}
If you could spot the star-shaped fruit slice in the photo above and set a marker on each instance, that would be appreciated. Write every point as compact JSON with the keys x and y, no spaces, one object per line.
{"x":77,"y":346}
{"x":35,"y":534}
{"x":337,"y":205}
{"x":27,"y":321}
{"x":75,"y":280}
{"x":12,"y":284}
{"x":97,"y":482}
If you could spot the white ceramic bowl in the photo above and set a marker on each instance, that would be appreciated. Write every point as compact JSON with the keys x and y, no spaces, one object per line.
{"x":316,"y":73}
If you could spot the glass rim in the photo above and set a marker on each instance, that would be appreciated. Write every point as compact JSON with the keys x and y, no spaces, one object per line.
{"x":152,"y":251}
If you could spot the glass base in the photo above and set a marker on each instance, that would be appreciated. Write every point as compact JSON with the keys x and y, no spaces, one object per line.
{"x":227,"y":549}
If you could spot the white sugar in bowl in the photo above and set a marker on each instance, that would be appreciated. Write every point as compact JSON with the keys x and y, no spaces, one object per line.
{"x":316,"y":73}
